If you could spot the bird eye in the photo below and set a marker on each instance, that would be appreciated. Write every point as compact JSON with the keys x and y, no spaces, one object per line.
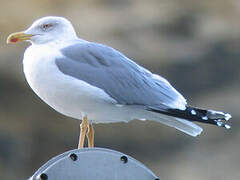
{"x":46,"y":26}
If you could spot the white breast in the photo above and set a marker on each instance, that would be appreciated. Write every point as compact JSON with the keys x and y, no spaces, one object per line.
{"x":67,"y":95}
{"x":75,"y":98}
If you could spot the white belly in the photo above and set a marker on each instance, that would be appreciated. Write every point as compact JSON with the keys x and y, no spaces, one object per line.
{"x":67,"y":95}
{"x":75,"y":98}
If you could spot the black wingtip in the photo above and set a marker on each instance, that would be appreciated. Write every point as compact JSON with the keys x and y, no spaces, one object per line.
{"x":217,"y":118}
{"x":220,"y":118}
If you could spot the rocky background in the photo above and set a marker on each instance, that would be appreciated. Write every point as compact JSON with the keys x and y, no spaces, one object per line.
{"x":194,"y":44}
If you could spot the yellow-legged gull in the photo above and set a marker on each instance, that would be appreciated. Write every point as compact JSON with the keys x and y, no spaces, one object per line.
{"x":87,"y":80}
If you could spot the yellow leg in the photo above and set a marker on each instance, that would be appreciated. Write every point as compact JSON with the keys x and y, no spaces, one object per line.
{"x":90,"y":135}
{"x":83,"y":130}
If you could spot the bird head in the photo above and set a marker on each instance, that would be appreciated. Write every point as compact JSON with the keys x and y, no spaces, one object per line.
{"x":44,"y":30}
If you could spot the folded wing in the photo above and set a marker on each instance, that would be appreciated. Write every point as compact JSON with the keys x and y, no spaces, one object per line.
{"x":121,"y":78}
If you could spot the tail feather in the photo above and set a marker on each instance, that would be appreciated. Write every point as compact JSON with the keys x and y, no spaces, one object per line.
{"x":188,"y":127}
{"x":217,"y":118}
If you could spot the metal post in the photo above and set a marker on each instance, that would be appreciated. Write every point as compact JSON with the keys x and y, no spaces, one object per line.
{"x":93,"y":164}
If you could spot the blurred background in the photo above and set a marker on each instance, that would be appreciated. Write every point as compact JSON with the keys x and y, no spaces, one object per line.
{"x":194,"y":44}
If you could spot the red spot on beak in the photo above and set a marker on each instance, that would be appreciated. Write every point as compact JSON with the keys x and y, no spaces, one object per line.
{"x":14,"y":40}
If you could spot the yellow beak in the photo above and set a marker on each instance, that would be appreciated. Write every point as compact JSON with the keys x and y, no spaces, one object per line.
{"x":17,"y":37}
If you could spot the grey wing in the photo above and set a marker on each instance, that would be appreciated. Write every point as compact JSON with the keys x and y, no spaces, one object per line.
{"x":121,"y":78}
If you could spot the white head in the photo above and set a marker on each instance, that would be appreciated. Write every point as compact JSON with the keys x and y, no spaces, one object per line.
{"x":45,"y":30}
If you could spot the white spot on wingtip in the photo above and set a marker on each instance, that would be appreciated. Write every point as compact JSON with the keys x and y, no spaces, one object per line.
{"x":216,"y":112}
{"x":205,"y":118}
{"x":219,"y":123}
{"x":228,"y":116}
{"x":227,"y":126}
{"x":193,"y":112}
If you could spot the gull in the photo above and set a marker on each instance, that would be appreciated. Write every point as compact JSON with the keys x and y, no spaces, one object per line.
{"x":95,"y":83}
